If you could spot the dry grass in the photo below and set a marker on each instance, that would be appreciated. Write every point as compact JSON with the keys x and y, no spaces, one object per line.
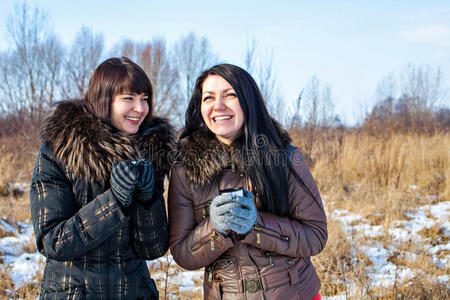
{"x":167,"y":286}
{"x":6,"y":282}
{"x":387,"y":176}
{"x":16,"y":208}
{"x":30,"y":245}
{"x":383,"y":179}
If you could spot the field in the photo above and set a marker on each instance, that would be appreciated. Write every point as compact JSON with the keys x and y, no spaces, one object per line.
{"x":388,"y":206}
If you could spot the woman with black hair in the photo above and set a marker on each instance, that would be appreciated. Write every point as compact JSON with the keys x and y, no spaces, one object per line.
{"x":242,"y":201}
{"x":97,"y":189}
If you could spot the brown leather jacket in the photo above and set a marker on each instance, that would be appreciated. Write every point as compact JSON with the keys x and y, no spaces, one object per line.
{"x":272,"y":260}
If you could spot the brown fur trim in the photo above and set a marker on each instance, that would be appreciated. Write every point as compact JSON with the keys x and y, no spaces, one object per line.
{"x":88,"y":147}
{"x":203,"y":156}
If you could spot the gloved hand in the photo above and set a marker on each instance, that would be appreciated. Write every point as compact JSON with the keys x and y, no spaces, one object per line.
{"x":145,"y":181}
{"x":219,"y":211}
{"x":123,"y":181}
{"x":243,"y":216}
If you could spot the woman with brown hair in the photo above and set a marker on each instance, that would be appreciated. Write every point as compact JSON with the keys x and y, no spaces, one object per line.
{"x":97,"y":189}
{"x":242,"y":201}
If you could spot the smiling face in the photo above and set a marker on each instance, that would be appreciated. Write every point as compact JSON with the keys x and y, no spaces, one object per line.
{"x":220,"y":109}
{"x":128,"y":111}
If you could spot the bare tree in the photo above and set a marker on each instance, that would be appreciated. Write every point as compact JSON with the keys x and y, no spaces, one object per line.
{"x":407,"y":101}
{"x":52,"y":53}
{"x":192,"y":55}
{"x":30,"y":68}
{"x":85,"y":54}
{"x":424,"y":83}
{"x":319,"y":112}
{"x":260,"y":65}
{"x":296,"y":117}
{"x":155,"y":60}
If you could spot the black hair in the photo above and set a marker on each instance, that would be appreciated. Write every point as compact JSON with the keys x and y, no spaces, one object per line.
{"x":261,"y":144}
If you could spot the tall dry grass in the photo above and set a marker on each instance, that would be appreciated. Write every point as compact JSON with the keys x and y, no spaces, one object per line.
{"x":367,"y":173}
{"x":380,"y":177}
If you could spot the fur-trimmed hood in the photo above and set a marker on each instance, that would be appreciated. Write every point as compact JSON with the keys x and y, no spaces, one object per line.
{"x":203,"y":156}
{"x":88,"y":147}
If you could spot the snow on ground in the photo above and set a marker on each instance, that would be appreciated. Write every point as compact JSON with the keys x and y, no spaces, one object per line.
{"x":384,"y":272}
{"x":24,"y":265}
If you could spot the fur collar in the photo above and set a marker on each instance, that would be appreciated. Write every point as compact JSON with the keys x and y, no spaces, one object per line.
{"x":88,"y":147}
{"x":204,"y":157}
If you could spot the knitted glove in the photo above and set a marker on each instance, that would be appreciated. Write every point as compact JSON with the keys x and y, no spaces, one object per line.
{"x":146,"y":180}
{"x":243,"y":215}
{"x":123,"y":181}
{"x":219,"y":211}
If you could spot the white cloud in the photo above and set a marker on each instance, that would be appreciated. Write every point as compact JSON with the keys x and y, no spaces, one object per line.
{"x":428,"y":34}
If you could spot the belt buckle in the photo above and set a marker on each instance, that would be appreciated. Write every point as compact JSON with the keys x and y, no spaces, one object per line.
{"x":252,"y":285}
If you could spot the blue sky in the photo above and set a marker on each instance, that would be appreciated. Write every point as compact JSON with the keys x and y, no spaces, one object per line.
{"x":350,"y":45}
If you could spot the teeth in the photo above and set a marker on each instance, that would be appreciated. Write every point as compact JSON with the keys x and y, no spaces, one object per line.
{"x":132,"y":119}
{"x":222,"y":118}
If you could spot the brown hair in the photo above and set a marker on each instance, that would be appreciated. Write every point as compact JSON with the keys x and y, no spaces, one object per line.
{"x":115,"y":76}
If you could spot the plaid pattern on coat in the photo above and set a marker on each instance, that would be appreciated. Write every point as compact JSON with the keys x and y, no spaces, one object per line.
{"x":94,"y":248}
{"x":85,"y":236}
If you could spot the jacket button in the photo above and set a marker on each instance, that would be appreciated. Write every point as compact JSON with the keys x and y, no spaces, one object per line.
{"x":216,"y":276}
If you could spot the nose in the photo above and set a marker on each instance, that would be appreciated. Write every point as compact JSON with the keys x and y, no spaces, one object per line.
{"x":139,"y":106}
{"x":219,"y":104}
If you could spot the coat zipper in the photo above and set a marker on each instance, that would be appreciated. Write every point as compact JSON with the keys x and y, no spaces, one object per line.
{"x":269,"y":255}
{"x":209,"y":239}
{"x":268,"y":231}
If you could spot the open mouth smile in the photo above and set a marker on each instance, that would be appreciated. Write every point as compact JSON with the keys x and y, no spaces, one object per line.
{"x":221,"y":118}
{"x":133,"y":120}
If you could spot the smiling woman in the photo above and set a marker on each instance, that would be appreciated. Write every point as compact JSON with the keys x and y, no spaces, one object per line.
{"x":220,"y":109}
{"x":128,"y":111}
{"x":96,"y":185}
{"x":242,"y":202}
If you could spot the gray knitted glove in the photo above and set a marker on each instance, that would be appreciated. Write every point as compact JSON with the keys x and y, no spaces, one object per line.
{"x":243,"y":215}
{"x":219,"y":211}
{"x":123,"y":181}
{"x":146,"y":180}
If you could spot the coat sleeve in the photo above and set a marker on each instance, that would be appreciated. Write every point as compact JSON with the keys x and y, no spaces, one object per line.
{"x":193,"y":245}
{"x":62,"y":231}
{"x":304,"y":232}
{"x":150,"y":236}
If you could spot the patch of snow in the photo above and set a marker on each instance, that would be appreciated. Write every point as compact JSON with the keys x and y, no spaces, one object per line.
{"x":11,"y":245}
{"x":444,"y":279}
{"x":6,"y":227}
{"x":384,"y":272}
{"x":186,"y":279}
{"x":24,"y":267}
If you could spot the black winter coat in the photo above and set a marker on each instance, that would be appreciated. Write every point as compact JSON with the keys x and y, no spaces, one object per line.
{"x":94,"y":248}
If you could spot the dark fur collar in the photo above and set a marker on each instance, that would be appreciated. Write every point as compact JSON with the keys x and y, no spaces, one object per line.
{"x":204,"y":157}
{"x":88,"y":147}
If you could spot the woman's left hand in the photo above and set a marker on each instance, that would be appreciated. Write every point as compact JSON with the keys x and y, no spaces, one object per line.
{"x":243,"y":215}
{"x":146,"y":180}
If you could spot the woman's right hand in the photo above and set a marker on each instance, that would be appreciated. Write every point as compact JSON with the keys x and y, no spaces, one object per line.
{"x":220,"y":212}
{"x":124,"y":175}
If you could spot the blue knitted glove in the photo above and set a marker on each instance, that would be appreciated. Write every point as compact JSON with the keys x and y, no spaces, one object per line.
{"x":219,"y":211}
{"x":243,"y":215}
{"x":123,"y":181}
{"x":146,"y":180}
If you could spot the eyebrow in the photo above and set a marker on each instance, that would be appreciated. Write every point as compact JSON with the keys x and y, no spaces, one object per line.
{"x":213,"y":92}
{"x":133,"y":94}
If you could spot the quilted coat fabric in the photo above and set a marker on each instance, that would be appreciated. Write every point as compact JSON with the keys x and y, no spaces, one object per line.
{"x":272,"y":261}
{"x":94,"y":248}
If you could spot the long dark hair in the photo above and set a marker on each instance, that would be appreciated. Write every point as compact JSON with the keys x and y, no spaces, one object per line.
{"x":261,"y":144}
{"x":112,"y":77}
